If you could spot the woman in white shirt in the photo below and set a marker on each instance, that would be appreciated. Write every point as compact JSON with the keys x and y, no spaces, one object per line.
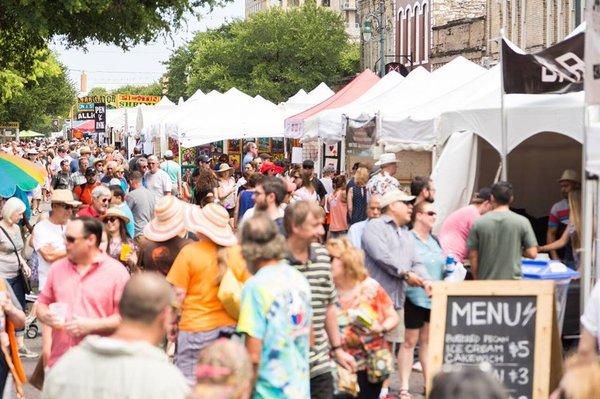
{"x":307,"y":191}
{"x":227,"y":188}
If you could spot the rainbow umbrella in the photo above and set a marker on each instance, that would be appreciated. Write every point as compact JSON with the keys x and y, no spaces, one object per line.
{"x":18,"y":172}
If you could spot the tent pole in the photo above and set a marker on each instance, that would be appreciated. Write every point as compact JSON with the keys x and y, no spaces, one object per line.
{"x":504,"y":153}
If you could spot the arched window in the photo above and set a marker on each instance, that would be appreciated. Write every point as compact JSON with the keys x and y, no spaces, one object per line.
{"x":418,"y":32}
{"x":426,"y":33}
{"x":410,"y":31}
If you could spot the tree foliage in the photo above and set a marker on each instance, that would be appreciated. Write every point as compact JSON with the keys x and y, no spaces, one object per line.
{"x":273,"y":53}
{"x":26,"y":27}
{"x":39,"y":101}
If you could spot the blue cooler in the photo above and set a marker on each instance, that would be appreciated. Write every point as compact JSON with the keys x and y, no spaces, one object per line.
{"x":547,"y":269}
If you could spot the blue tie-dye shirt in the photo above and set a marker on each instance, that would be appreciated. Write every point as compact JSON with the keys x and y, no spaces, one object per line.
{"x":275,"y":308}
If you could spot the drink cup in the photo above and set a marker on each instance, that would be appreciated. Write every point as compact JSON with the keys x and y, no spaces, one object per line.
{"x":59,"y":310}
{"x":125,"y":251}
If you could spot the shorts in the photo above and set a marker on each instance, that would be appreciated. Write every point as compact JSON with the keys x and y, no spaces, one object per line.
{"x":189,"y":345}
{"x":396,"y":336}
{"x":415,"y":316}
{"x":36,"y":193}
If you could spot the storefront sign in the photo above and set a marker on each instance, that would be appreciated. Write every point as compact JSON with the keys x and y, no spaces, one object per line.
{"x":96,"y":99}
{"x":498,"y":323}
{"x":100,"y":117}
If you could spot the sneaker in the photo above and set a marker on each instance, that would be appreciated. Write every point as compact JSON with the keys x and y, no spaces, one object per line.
{"x":417,"y":367}
{"x":24,"y":352}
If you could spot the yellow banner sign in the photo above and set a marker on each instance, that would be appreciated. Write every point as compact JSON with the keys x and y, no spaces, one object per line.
{"x":9,"y":125}
{"x":131,"y":100}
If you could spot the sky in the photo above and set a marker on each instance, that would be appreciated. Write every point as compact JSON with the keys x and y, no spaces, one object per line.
{"x":110,"y":67}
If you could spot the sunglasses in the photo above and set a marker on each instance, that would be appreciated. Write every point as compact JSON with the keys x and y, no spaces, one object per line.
{"x":112,"y":219}
{"x":71,"y":239}
{"x":430,"y":213}
{"x":105,"y":200}
{"x":67,"y":207}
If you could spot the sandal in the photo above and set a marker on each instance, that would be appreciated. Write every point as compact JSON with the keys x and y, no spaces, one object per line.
{"x":404,"y":394}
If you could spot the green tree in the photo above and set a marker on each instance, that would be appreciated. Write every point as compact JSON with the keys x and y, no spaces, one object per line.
{"x":273,"y":53}
{"x":26,"y":27}
{"x":40,"y":101}
{"x":177,"y":72}
{"x":98,"y":91}
{"x":153,"y":89}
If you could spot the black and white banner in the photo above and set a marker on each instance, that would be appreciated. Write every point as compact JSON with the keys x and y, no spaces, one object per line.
{"x":557,"y":69}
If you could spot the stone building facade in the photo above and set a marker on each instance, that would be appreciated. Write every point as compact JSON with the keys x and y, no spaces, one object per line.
{"x":370,"y":52}
{"x":346,"y":7}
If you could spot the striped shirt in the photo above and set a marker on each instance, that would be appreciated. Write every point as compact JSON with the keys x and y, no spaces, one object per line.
{"x":317,"y":271}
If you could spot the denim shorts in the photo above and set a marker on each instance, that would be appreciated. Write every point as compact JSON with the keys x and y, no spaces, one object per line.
{"x":189,"y":345}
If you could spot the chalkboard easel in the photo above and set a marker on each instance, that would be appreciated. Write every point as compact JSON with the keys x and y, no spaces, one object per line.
{"x":511,"y":325}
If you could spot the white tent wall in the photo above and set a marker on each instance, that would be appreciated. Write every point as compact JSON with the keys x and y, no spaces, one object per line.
{"x":468,"y":162}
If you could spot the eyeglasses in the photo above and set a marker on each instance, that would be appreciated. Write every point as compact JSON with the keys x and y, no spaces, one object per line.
{"x":71,"y":239}
{"x":112,"y":219}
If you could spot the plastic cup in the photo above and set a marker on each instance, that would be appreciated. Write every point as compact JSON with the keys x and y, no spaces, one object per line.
{"x":59,"y":310}
{"x":125,"y":251}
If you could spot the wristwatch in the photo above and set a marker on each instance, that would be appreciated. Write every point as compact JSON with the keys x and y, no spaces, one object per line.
{"x":404,"y":275}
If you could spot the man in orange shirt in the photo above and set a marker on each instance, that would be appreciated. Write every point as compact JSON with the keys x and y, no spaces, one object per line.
{"x":196,"y":274}
{"x":84,"y":192}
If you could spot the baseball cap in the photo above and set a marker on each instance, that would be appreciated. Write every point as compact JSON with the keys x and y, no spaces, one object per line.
{"x":484,"y":194}
{"x":90,"y":171}
{"x":394,"y":196}
{"x":308,"y":164}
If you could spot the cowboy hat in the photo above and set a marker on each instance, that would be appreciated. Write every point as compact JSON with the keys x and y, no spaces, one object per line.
{"x":115,"y":212}
{"x":85,"y":150}
{"x":569,"y":175}
{"x":167,"y":221}
{"x":63,"y":197}
{"x":386,"y":158}
{"x":211,"y":221}
{"x":394,"y":196}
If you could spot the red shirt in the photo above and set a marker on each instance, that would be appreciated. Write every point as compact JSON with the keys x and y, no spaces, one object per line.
{"x":88,"y":210}
{"x":95,"y":294}
{"x":84,"y":192}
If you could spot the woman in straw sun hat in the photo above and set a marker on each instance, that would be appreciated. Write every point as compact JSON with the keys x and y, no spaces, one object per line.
{"x":227,"y":188}
{"x":164,"y":236}
{"x":196,"y":274}
{"x":120,"y":246}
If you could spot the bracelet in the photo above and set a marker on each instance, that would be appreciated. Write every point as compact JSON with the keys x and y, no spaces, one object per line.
{"x":336,"y":347}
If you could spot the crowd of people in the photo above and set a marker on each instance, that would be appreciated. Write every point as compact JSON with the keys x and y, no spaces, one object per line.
{"x":267,"y":282}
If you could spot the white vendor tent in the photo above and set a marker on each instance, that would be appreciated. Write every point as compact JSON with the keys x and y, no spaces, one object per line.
{"x":544,"y":134}
{"x":329,"y":124}
{"x":302,"y":100}
{"x":232,"y":115}
{"x":440,"y":83}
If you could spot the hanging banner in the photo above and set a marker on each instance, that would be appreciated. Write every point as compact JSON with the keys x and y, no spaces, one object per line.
{"x":557,"y":69}
{"x":592,"y":53}
{"x":133,"y":100}
{"x":100,"y":117}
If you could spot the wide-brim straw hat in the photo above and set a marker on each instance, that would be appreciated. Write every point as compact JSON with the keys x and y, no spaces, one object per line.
{"x":224,"y":167}
{"x":63,"y":197}
{"x":115,"y":212}
{"x":168,"y":220}
{"x":211,"y":221}
{"x":570,"y":175}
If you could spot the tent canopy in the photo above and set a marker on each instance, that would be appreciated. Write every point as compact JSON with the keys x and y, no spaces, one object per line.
{"x":357,"y":87}
{"x":302,"y":100}
{"x":329,"y":124}
{"x":25,"y":134}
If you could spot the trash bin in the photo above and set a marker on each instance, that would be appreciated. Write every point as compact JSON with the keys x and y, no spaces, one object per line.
{"x":545,"y":269}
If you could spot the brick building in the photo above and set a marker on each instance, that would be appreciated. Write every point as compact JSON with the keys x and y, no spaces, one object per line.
{"x":432,"y":32}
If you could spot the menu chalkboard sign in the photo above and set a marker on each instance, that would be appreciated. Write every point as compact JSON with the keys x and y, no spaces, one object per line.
{"x":506,"y":324}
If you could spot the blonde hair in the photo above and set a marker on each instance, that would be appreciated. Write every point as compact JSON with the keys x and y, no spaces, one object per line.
{"x":580,"y":380}
{"x":353,"y":259}
{"x":575,"y":216}
{"x":224,"y":364}
{"x":361,"y":176}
